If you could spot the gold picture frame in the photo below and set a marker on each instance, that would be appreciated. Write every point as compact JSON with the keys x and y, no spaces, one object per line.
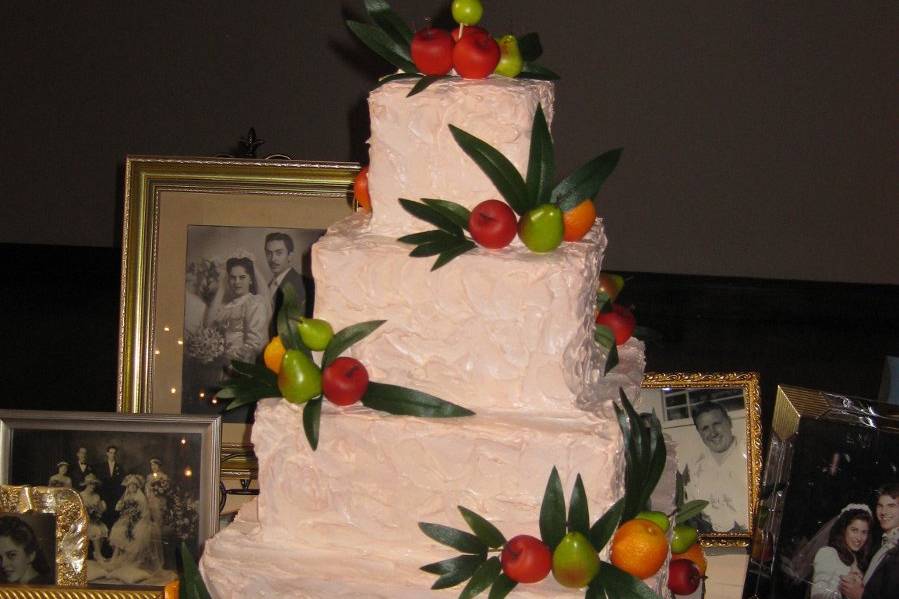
{"x":26,"y":592}
{"x":674,"y":403}
{"x":69,"y":536}
{"x":164,"y":197}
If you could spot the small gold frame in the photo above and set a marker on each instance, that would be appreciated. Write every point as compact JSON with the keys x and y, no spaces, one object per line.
{"x":749,"y":383}
{"x":35,"y":592}
{"x":70,"y":530}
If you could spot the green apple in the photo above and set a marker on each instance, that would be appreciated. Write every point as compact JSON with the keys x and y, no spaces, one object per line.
{"x":315,"y":333}
{"x":510,"y":61}
{"x":575,"y":562}
{"x":467,"y":12}
{"x":658,"y":518}
{"x":299,"y":379}
{"x":683,"y":537}
{"x":541,"y":228}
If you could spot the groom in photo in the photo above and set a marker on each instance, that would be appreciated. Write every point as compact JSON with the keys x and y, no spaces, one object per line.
{"x":280,"y":255}
{"x":881,"y":579}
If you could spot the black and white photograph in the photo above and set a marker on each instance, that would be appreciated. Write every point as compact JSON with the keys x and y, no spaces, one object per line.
{"x":234,"y":286}
{"x":145,"y":485}
{"x":27,"y":548}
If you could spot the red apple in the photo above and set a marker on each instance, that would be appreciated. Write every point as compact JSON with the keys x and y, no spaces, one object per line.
{"x":683,"y":577}
{"x":526,"y":559}
{"x":620,"y":320}
{"x":344,"y":381}
{"x":432,"y":51}
{"x":475,"y":56}
{"x":492,"y":224}
{"x":466,"y":31}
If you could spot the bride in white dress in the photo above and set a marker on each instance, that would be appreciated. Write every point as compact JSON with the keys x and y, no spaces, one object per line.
{"x":240,"y":311}
{"x":136,"y":554}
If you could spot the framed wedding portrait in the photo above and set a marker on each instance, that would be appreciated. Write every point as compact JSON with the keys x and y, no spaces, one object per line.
{"x":208,"y":247}
{"x":144,"y":483}
{"x":829,"y":516}
{"x":714,"y":420}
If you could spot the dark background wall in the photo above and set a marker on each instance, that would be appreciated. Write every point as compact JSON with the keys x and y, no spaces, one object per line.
{"x":759,"y":137}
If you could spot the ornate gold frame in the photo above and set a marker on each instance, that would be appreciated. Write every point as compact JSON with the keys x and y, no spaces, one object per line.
{"x":749,"y":382}
{"x":71,"y":525}
{"x":162,"y":196}
{"x":21,"y":592}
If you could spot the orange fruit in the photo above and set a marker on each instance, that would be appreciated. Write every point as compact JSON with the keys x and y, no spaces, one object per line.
{"x":695,"y":555}
{"x":360,"y":189}
{"x":639,"y":547}
{"x":274,"y":354}
{"x":578,"y":220}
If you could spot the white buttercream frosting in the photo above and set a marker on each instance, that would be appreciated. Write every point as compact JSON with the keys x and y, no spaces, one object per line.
{"x":413,"y":154}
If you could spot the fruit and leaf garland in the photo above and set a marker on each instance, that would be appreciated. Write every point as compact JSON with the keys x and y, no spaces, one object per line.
{"x":569,"y":545}
{"x":615,"y":323}
{"x":291,"y":372}
{"x":549,"y":214}
{"x":431,"y":53}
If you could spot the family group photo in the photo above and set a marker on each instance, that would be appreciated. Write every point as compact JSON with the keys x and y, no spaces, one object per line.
{"x":140,"y":491}
{"x":235,"y":278}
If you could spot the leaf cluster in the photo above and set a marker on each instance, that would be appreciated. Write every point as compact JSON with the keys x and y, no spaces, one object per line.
{"x":448,"y":240}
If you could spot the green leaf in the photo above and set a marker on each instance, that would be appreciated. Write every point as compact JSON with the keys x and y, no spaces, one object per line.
{"x":394,"y":399}
{"x":396,"y":77}
{"x":424,"y":237}
{"x":312,"y":415}
{"x":454,"y":570}
{"x":611,"y":360}
{"x":603,"y":529}
{"x":389,"y":22}
{"x":484,"y":530}
{"x":604,"y":336}
{"x":226,"y":393}
{"x":346,"y":337}
{"x":595,"y":590}
{"x":430,"y":215}
{"x":529,"y":46}
{"x":578,"y":511}
{"x":383,"y":45}
{"x":497,"y":167}
{"x":585,"y":181}
{"x":433,"y":248}
{"x":637,"y":465}
{"x":256,"y":371}
{"x":552,"y":511}
{"x":286,"y":321}
{"x":621,"y":585}
{"x":193,"y":585}
{"x":455,"y":252}
{"x":502,"y":586}
{"x":689,"y":510}
{"x":424,"y":83}
{"x":658,"y":454}
{"x":453,"y":537}
{"x":457,"y":213}
{"x":541,"y":162}
{"x":482,"y":578}
{"x":250,"y":391}
{"x":532,"y":70}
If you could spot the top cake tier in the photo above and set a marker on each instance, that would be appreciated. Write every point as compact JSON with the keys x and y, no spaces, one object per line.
{"x":414,"y":155}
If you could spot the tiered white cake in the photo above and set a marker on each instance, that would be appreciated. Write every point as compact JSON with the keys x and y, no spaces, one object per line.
{"x":507,"y":334}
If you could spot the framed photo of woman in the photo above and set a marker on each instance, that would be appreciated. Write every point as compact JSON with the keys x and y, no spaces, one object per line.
{"x":208,"y":246}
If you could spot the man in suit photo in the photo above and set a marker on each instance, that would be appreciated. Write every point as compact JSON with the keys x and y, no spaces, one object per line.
{"x":279,"y":253}
{"x":80,"y":469}
{"x":110,"y":474}
{"x":881,"y":580}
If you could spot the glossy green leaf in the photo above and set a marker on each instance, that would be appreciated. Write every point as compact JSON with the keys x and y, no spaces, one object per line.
{"x":502,"y":586}
{"x":595,"y":590}
{"x":430,"y":215}
{"x":425,"y":237}
{"x":457,"y":213}
{"x":529,"y":46}
{"x":658,"y":454}
{"x":424,"y":83}
{"x":454,"y":570}
{"x":389,"y":22}
{"x":287,"y":318}
{"x":532,"y":70}
{"x":397,"y":77}
{"x":448,"y":255}
{"x":631,"y":485}
{"x":257,"y":371}
{"x":394,"y":399}
{"x":497,"y":167}
{"x":585,"y":181}
{"x":432,"y":248}
{"x":247,"y":391}
{"x":578,"y":511}
{"x":346,"y":337}
{"x":482,"y":578}
{"x":383,"y":45}
{"x":552,"y":511}
{"x":611,"y":360}
{"x":604,"y":336}
{"x":603,"y":529}
{"x":621,"y":585}
{"x":453,"y":537}
{"x":637,"y":464}
{"x":312,"y":415}
{"x":484,"y":530}
{"x":691,"y":509}
{"x":192,"y":585}
{"x":541,"y":162}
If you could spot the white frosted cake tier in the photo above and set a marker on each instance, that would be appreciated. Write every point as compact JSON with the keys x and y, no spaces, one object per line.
{"x":413,"y":154}
{"x":500,"y":330}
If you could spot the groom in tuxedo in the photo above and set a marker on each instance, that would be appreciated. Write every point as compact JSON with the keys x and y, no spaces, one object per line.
{"x":881,"y":579}
{"x":280,"y":255}
{"x":80,"y":469}
{"x":110,"y":474}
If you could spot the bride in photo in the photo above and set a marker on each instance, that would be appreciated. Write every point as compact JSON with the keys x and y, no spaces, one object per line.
{"x":136,"y":556}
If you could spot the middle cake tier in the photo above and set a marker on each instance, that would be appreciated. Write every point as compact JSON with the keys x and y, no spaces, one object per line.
{"x":506,"y":331}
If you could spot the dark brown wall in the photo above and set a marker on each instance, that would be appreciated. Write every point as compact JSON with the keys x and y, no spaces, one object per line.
{"x":760,"y":137}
